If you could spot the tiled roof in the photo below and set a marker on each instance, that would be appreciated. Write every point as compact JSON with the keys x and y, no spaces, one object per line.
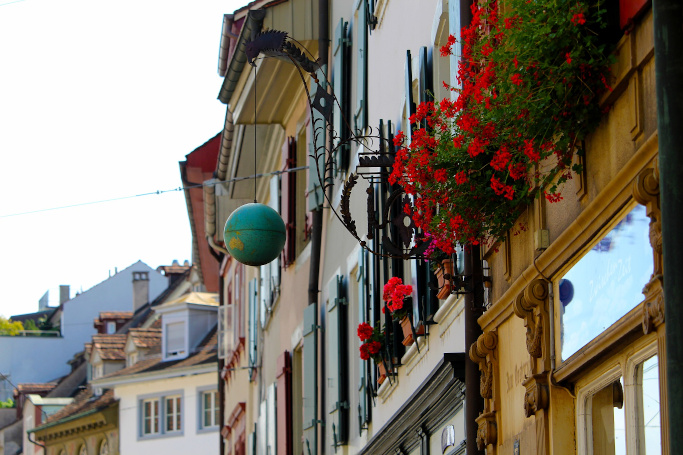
{"x":204,"y":354}
{"x":85,"y":401}
{"x":197,"y":298}
{"x":34,"y":387}
{"x":145,"y":338}
{"x":115,"y":315}
{"x":110,"y":347}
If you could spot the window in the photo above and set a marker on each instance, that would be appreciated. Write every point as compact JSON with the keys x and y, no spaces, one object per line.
{"x":104,"y":447}
{"x":173,"y":414}
{"x":132,"y":359}
{"x":209,"y":412}
{"x":174,"y":342}
{"x":630,"y":394}
{"x":83,"y":450}
{"x":606,"y":283}
{"x":150,"y":417}
{"x":111,"y":327}
{"x":226,"y":328}
{"x":161,"y":415}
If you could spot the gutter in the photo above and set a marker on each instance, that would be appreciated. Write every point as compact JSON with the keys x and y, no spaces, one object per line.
{"x":210,"y":215}
{"x":226,"y":36}
{"x":252,"y":25}
{"x":155,"y":375}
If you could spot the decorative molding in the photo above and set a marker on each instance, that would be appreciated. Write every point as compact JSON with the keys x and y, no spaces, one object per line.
{"x":653,"y":307}
{"x":529,"y":306}
{"x":487,"y":431}
{"x":481,"y":353}
{"x":536,"y":395}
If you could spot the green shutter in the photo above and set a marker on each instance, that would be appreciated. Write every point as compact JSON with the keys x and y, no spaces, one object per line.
{"x":363,"y":416}
{"x":361,"y":116}
{"x":253,"y":301}
{"x":341,"y":85}
{"x":337,"y":384}
{"x":310,"y":386}
{"x":317,"y":142}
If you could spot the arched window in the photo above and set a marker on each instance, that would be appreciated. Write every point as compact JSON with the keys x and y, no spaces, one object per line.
{"x":83,"y":450}
{"x":104,"y":447}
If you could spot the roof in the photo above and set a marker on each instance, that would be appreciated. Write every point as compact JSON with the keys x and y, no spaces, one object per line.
{"x":174,"y":268}
{"x":35,"y":387}
{"x":195,"y":298}
{"x":115,"y":315}
{"x":110,"y":347}
{"x":85,"y":402}
{"x":145,"y":338}
{"x":204,"y":354}
{"x":51,"y":401}
{"x":33,"y":316}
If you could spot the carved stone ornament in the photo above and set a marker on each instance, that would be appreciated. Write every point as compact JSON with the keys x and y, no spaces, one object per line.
{"x":653,"y":308}
{"x":646,"y":192}
{"x":481,"y":353}
{"x":528,"y":306}
{"x":487,"y":431}
{"x":536,"y":395}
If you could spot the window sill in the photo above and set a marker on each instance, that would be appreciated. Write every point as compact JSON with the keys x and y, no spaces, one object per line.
{"x":412,"y":357}
{"x":387,"y":388}
{"x":151,"y":437}
{"x":451,"y":309}
{"x":213,"y":429}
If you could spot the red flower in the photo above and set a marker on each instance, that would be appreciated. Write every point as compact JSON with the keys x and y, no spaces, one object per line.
{"x":364,"y":352}
{"x":501,"y":159}
{"x":578,"y":19}
{"x":501,"y":189}
{"x":516,"y":79}
{"x":364,"y":331}
{"x":374,"y":347}
{"x":568,"y":58}
{"x":441,"y":175}
{"x":461,"y":178}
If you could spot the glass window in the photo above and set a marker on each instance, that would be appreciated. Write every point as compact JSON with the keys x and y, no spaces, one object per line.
{"x":150,"y":417}
{"x":607,"y":419}
{"x":210,"y":409}
{"x":173,"y":414}
{"x":111,"y":327}
{"x":647,"y":402}
{"x":104,"y":447}
{"x":83,"y":450}
{"x":606,"y":283}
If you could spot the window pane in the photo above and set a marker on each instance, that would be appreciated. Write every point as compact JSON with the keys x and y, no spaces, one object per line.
{"x":649,"y":420}
{"x":155,"y":416}
{"x":175,"y":338}
{"x":606,"y":283}
{"x":216,"y":409}
{"x":607,"y":418}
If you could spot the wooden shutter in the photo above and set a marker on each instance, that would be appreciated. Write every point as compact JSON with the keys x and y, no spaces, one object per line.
{"x":342,"y":85}
{"x":363,"y":367}
{"x":361,"y":117}
{"x":288,"y":197}
{"x":284,"y":404}
{"x":337,"y":383}
{"x":410,"y":103}
{"x":310,"y":386}
{"x":253,"y":298}
{"x":318,"y":135}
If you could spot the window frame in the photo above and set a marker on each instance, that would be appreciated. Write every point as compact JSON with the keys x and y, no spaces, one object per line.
{"x":177,"y":354}
{"x":617,"y":369}
{"x":201,"y":392}
{"x":160,"y":398}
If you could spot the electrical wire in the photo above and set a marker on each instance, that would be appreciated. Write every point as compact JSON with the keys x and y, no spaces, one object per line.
{"x":158,"y":192}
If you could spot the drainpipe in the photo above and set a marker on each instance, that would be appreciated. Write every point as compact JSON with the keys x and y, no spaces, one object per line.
{"x":668,"y":17}
{"x":474,"y":302}
{"x":316,"y":230}
{"x":221,"y":382}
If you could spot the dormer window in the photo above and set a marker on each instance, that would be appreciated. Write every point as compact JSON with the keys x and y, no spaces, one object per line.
{"x":132,"y":359}
{"x":174,"y":340}
{"x":111,"y":327}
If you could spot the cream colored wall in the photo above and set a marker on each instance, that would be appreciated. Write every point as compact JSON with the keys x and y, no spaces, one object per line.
{"x":190,"y":442}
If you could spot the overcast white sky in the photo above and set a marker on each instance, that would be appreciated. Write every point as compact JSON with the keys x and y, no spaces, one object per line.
{"x":99,"y":100}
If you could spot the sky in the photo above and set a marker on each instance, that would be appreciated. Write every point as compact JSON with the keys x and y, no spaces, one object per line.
{"x":99,"y":100}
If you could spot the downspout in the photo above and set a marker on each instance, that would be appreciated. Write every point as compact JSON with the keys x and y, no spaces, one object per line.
{"x":28,"y":436}
{"x":221,"y":382}
{"x":210,"y":217}
{"x":474,"y":302}
{"x":316,"y":229}
{"x":668,"y":17}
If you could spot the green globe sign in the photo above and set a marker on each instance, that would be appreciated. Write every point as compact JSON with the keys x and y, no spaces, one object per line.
{"x":254,"y":234}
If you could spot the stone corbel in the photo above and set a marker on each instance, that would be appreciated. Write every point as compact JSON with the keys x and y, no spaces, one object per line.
{"x":529,"y":305}
{"x":653,"y":308}
{"x":481,"y":353}
{"x":487,"y":431}
{"x":646,"y":192}
{"x":536,"y":395}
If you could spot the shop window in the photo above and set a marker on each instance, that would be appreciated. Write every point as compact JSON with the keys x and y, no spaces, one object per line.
{"x":606,"y":283}
{"x":619,"y":413}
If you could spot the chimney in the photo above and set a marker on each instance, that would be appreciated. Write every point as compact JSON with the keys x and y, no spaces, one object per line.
{"x":64,"y":293}
{"x":140,"y":289}
{"x":42,"y":303}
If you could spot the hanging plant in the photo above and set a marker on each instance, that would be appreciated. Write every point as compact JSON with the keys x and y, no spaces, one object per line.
{"x":529,"y":80}
{"x":395,"y":294}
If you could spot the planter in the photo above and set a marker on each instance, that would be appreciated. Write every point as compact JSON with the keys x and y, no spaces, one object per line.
{"x":445,"y":286}
{"x":408,"y":332}
{"x":382,"y":373}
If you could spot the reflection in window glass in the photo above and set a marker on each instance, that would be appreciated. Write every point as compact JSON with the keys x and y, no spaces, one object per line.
{"x":649,"y":431}
{"x":606,"y":283}
{"x":608,"y":422}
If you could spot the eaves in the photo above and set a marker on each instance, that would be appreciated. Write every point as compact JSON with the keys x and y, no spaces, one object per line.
{"x":156,"y":375}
